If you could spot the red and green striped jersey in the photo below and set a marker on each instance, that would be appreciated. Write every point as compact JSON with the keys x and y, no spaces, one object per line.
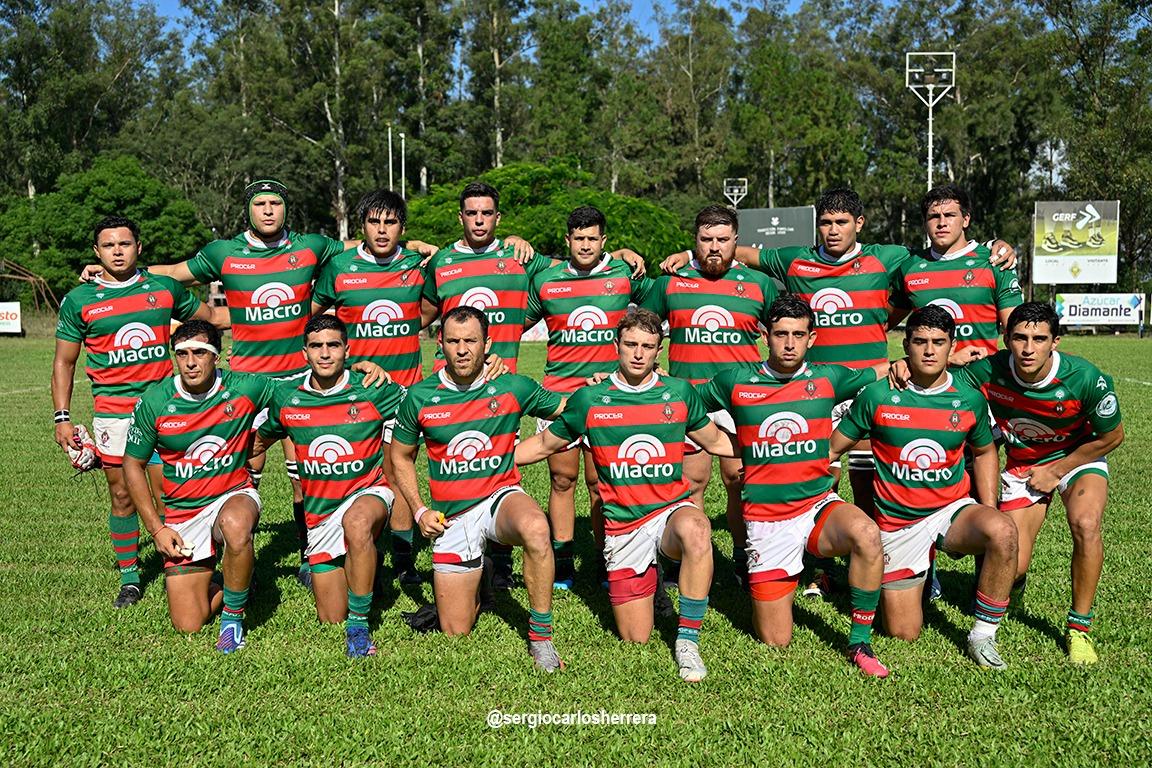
{"x":783,"y":424}
{"x":636,"y":435}
{"x":470,"y":433}
{"x":581,"y":309}
{"x":964,"y":283}
{"x":124,"y":328}
{"x":849,"y":296}
{"x":269,"y":294}
{"x":1045,"y":421}
{"x":714,"y":322}
{"x":379,"y":301}
{"x":203,"y":440}
{"x":491,"y":281}
{"x":918,"y":438}
{"x":338,"y":434}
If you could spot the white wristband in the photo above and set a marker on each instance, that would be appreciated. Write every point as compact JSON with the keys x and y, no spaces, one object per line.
{"x":419,"y":513}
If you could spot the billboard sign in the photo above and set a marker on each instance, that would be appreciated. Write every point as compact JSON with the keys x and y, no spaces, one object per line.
{"x":10,"y":318}
{"x":778,"y":227}
{"x":1076,"y":242}
{"x":1100,"y":308}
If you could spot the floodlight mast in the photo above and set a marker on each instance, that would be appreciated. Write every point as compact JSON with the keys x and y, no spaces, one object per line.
{"x":930,"y":75}
{"x":735,"y":190}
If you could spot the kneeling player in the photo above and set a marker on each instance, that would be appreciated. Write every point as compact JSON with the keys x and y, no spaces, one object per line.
{"x":1060,"y":420}
{"x":923,"y":496}
{"x":635,"y":422}
{"x":336,"y":425}
{"x":200,"y":421}
{"x":469,"y":426}
{"x":781,"y":409}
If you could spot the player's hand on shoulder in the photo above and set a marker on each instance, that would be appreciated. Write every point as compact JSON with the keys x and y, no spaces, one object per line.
{"x":522,"y":250}
{"x":632,"y":259}
{"x":495,"y":367}
{"x":427,"y":250}
{"x":91,"y":272}
{"x":899,"y":374}
{"x":675,"y":262}
{"x":432,"y":522}
{"x":596,"y":378}
{"x":1003,"y":255}
{"x":965,"y":356}
{"x":373,"y":373}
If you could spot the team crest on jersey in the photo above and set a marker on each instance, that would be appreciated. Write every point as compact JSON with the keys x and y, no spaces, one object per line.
{"x":295,"y":401}
{"x":171,"y":409}
{"x":668,"y":412}
{"x":810,"y":390}
{"x":1060,"y":394}
{"x":405,"y":275}
{"x":152,"y":299}
{"x":435,"y":399}
{"x":895,"y":399}
{"x":954,"y":420}
{"x":605,"y":399}
{"x":229,"y":409}
{"x":608,"y":286}
{"x":500,"y":265}
{"x":293,"y":260}
{"x":666,"y":396}
{"x":969,"y":276}
{"x":1059,"y":408}
{"x":494,"y":405}
{"x":740,"y":287}
{"x":353,"y":412}
{"x":857,"y":266}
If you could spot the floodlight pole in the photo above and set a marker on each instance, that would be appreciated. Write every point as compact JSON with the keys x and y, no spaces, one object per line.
{"x":919,"y":77}
{"x":390,"y":184}
{"x":403,"y":167}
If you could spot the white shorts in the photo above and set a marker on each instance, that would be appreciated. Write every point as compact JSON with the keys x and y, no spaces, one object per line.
{"x":110,"y":435}
{"x":1015,"y":493}
{"x":721,"y":419}
{"x":326,"y":541}
{"x":908,"y":551}
{"x":460,"y":548}
{"x":631,"y":554}
{"x":776,"y":548}
{"x":543,"y":424}
{"x":197,"y":531}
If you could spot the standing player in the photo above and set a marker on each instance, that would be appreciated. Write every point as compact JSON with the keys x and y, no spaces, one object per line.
{"x":954,"y":273}
{"x":123,"y":321}
{"x":469,"y":427}
{"x":376,"y":288}
{"x":581,"y":300}
{"x":636,"y":422}
{"x":715,"y":311}
{"x":923,"y":494}
{"x":1060,"y":419}
{"x":337,"y":425}
{"x":781,"y":409}
{"x":201,"y":423}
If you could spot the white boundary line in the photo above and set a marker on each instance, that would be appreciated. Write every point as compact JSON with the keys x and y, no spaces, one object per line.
{"x":46,"y":387}
{"x":1136,"y":381}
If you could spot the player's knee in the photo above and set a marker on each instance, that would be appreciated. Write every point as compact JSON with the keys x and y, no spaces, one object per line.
{"x":696,"y":537}
{"x":633,"y":635}
{"x":357,"y":526}
{"x":536,"y":534}
{"x":906,"y":633}
{"x":866,"y":540}
{"x":236,"y":529}
{"x":1084,"y":526}
{"x":563,"y":482}
{"x":188,"y":623}
{"x":1002,"y":535}
{"x":122,"y":505}
{"x":329,"y":615}
{"x":776,"y":636}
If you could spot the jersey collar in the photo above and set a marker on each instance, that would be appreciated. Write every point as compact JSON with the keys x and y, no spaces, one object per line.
{"x":480,"y":381}
{"x":770,"y":371}
{"x":123,"y":284}
{"x":460,"y":247}
{"x":192,"y":398}
{"x":256,"y":244}
{"x":369,"y":257}
{"x":932,"y":390}
{"x":602,"y":266}
{"x":965,"y":251}
{"x":856,"y":249}
{"x":619,"y":382}
{"x":1038,"y":384}
{"x":307,"y":385}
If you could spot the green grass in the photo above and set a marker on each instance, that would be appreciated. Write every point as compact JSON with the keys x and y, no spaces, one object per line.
{"x":83,"y":684}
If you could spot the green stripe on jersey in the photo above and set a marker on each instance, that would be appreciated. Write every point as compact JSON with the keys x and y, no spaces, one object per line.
{"x":269,"y":293}
{"x":203,"y":443}
{"x":338,"y":435}
{"x":124,"y":328}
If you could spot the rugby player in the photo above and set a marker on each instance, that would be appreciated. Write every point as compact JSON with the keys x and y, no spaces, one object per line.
{"x":469,"y":427}
{"x":635,"y":422}
{"x":923,"y":495}
{"x":337,"y":425}
{"x":715,"y":311}
{"x":1060,"y":419}
{"x":122,"y":321}
{"x":581,"y":300}
{"x":201,"y":422}
{"x":781,"y":410}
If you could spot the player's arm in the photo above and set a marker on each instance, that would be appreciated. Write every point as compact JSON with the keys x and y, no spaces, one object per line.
{"x":63,"y":372}
{"x":986,"y":472}
{"x":632,"y":259}
{"x":178,"y":272}
{"x":716,"y":441}
{"x":745,"y":254}
{"x":539,"y":447}
{"x":167,"y":540}
{"x":1003,"y":255}
{"x":430,"y":521}
{"x":896,"y":315}
{"x":839,"y":444}
{"x":1046,"y":477}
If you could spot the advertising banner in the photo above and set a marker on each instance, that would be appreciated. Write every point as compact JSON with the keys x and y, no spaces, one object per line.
{"x":1075,"y":242}
{"x":777,"y":227}
{"x":1100,"y":308}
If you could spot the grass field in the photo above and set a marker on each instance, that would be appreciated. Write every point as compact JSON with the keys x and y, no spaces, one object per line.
{"x":83,"y":684}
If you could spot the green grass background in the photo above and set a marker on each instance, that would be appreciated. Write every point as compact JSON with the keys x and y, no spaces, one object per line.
{"x":83,"y":684}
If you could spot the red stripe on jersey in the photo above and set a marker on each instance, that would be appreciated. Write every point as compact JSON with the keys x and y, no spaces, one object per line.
{"x":927,"y":419}
{"x":1042,"y":409}
{"x":447,"y":491}
{"x":142,"y":372}
{"x":268,"y":265}
{"x":331,"y":416}
{"x":107,"y":343}
{"x":132,"y":303}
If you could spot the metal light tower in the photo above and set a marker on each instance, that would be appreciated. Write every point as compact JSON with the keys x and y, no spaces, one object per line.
{"x":390,"y":185}
{"x":735,"y":190}
{"x":930,"y":75}
{"x":403,"y":168}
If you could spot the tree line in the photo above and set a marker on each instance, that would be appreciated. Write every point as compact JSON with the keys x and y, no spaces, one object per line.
{"x":1052,"y":101}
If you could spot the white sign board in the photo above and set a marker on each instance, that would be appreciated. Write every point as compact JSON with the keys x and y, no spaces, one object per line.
{"x":1076,"y":242}
{"x":10,"y":317}
{"x":1100,"y":308}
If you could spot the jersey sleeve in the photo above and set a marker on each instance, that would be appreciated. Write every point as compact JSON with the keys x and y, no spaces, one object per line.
{"x":329,"y":249}
{"x":69,"y":325}
{"x":184,"y":302}
{"x":857,"y":425}
{"x":535,"y":310}
{"x":771,"y":293}
{"x":570,"y":424}
{"x":431,"y":291}
{"x":407,"y":429}
{"x":641,"y":287}
{"x":716,"y":393}
{"x":981,"y":434}
{"x":774,"y":261}
{"x":387,"y":398}
{"x":900,"y":297}
{"x":141,"y":439}
{"x":537,"y":264}
{"x":208,"y":262}
{"x":697,"y":411}
{"x":324,"y":291}
{"x":1104,"y":413}
{"x":975,"y":374}
{"x":847,"y":382}
{"x":534,"y":399}
{"x":1008,"y":293}
{"x":273,"y":428}
{"x":656,"y":296}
